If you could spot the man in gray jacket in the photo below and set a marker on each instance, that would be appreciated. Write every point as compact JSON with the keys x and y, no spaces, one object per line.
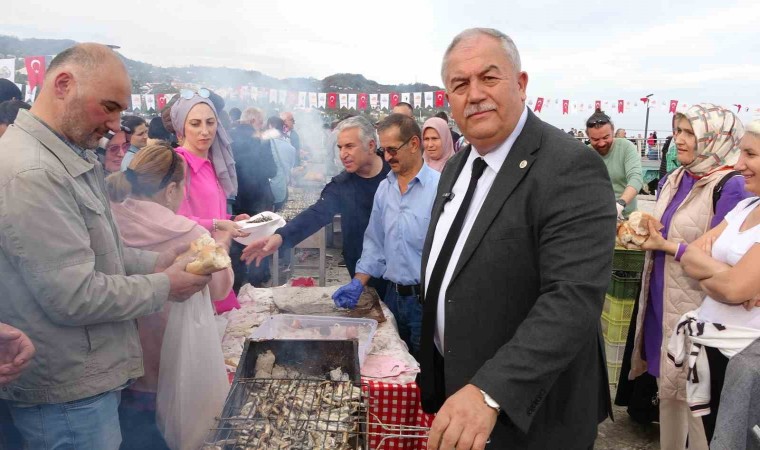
{"x":67,"y":281}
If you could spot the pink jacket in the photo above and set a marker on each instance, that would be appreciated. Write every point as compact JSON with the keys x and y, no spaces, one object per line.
{"x":205,"y":201}
{"x":147,"y":225}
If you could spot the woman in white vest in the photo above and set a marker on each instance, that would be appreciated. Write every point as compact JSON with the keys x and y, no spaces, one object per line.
{"x":707,"y":138}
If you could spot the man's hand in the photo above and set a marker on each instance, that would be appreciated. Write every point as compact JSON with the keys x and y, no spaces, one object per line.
{"x":620,"y":209}
{"x":240,"y":217}
{"x":16,"y":351}
{"x":184,"y":284}
{"x":261,"y":248}
{"x":167,"y":257}
{"x":347,"y":296}
{"x":464,"y":422}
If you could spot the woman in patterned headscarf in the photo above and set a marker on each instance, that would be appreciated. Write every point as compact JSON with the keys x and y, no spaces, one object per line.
{"x":692,"y":199}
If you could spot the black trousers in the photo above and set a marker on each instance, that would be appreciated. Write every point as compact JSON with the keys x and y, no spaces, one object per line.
{"x":718,"y":363}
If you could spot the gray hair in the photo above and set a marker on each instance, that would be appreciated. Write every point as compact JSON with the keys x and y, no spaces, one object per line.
{"x":510,"y":49}
{"x":753,"y":128}
{"x":367,"y":131}
{"x":251,"y":113}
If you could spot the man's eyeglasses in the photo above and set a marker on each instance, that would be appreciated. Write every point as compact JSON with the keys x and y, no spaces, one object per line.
{"x":187,"y":94}
{"x":593,"y":123}
{"x":394,"y":150}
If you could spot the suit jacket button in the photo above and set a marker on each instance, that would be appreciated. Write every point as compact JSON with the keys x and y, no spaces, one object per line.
{"x":450,"y":301}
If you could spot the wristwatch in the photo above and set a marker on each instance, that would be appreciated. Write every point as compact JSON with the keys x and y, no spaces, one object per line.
{"x":490,"y":402}
{"x":622,"y":202}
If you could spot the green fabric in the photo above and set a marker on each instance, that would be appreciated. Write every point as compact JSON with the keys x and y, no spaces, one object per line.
{"x":624,"y":167}
{"x":671,"y":158}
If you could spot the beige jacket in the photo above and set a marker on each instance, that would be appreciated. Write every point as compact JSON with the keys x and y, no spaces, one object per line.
{"x":65,"y":273}
{"x":682,"y":293}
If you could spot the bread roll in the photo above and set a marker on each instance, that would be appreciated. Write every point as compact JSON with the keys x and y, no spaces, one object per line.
{"x":632,"y":233}
{"x":208,"y":257}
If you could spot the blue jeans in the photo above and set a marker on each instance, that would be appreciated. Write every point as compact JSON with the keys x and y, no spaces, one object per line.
{"x":408,"y":313}
{"x":88,"y":424}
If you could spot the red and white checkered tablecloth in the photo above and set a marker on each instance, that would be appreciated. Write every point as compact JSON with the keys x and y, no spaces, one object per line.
{"x":395,"y":405}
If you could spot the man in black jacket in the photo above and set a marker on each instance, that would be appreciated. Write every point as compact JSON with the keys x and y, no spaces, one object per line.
{"x":350,"y":194}
{"x":254,"y":165}
{"x":514,"y":269}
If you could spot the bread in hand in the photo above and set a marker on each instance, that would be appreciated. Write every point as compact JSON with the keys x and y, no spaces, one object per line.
{"x":208,"y":256}
{"x":632,"y":233}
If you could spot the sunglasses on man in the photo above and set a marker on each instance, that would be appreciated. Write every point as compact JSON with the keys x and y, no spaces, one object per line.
{"x":593,"y":123}
{"x":393,"y":150}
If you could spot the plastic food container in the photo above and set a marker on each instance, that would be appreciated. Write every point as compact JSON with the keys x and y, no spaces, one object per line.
{"x":259,"y":230}
{"x":292,"y":326}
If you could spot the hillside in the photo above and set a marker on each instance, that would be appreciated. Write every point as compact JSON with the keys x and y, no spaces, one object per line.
{"x":160,"y":78}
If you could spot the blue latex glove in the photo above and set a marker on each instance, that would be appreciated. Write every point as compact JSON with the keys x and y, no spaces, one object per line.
{"x":347,"y":296}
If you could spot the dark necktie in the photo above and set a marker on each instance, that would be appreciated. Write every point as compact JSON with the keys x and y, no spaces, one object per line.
{"x":431,"y":378}
{"x":439,"y":270}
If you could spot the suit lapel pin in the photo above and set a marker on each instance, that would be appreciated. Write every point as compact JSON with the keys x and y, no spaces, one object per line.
{"x":523,"y":164}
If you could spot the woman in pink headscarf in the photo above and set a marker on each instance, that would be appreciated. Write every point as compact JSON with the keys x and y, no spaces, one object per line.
{"x":436,"y":139}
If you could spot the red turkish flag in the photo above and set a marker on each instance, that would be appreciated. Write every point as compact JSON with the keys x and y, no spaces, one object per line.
{"x":644,"y":99}
{"x":363,"y":101}
{"x":332,"y":100}
{"x":440,"y":97}
{"x":673,"y":106}
{"x":565,"y":106}
{"x":621,"y":106}
{"x":738,"y":108}
{"x":35,"y":70}
{"x":539,"y":104}
{"x":597,"y":104}
{"x":160,"y":101}
{"x":395,"y":98}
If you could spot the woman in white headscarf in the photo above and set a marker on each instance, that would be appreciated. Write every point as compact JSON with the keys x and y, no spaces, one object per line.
{"x":437,"y":145}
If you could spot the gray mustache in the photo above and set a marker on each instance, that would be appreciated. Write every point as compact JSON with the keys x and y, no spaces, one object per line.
{"x":478,"y":108}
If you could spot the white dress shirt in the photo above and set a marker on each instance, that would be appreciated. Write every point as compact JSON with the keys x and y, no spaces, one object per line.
{"x":494,"y":159}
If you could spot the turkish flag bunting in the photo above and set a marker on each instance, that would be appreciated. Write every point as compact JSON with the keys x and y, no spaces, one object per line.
{"x":362,"y":101}
{"x":395,"y":98}
{"x":644,"y":99}
{"x":332,"y":100}
{"x":621,"y":106}
{"x":35,"y":70}
{"x":539,"y":104}
{"x":597,"y":104}
{"x":440,"y":98}
{"x":565,"y":106}
{"x":161,"y":101}
{"x":673,"y":106}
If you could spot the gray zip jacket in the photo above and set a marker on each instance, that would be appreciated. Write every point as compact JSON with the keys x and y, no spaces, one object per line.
{"x":65,"y":278}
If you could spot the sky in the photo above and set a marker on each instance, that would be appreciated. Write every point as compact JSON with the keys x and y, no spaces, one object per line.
{"x":696,"y":51}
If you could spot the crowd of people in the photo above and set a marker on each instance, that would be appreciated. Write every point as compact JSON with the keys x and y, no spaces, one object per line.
{"x":493,"y":250}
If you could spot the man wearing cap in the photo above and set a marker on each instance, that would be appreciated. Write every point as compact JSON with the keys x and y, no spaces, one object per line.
{"x":621,"y":158}
{"x":396,"y":231}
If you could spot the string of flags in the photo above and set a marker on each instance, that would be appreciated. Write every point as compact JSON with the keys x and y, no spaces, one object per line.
{"x":35,"y":67}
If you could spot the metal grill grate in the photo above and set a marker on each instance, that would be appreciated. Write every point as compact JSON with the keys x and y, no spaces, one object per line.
{"x":290,"y":414}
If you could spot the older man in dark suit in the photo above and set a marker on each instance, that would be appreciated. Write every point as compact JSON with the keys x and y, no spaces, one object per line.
{"x":515,"y":267}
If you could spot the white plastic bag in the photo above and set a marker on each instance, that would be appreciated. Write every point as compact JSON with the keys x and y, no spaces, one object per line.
{"x":192,"y":379}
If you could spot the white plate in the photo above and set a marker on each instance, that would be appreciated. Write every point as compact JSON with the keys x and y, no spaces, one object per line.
{"x":259,"y":230}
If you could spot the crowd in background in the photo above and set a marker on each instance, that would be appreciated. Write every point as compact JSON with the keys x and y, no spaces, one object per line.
{"x":198,"y":169}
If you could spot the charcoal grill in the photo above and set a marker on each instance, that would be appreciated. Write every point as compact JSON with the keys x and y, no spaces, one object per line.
{"x":309,"y":412}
